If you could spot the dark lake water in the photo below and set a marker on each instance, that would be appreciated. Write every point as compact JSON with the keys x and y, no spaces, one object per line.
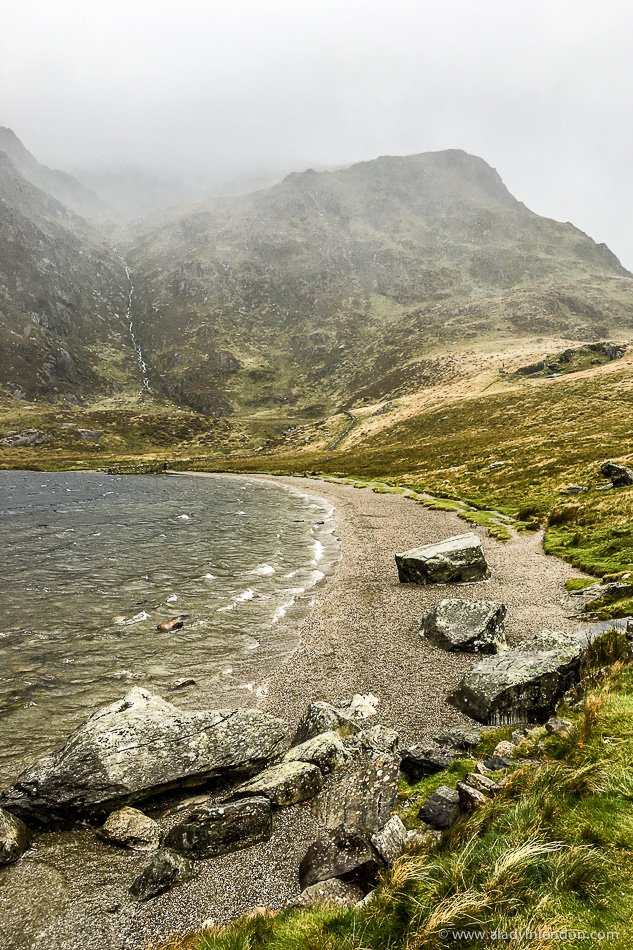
{"x":91,"y":563}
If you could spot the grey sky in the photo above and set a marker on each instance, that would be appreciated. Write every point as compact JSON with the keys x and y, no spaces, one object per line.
{"x":542,"y":89}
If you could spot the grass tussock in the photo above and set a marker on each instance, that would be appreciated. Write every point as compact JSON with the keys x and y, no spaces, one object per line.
{"x":552,"y":852}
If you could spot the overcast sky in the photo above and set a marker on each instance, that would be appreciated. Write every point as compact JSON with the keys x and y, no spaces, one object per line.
{"x":542,"y":89}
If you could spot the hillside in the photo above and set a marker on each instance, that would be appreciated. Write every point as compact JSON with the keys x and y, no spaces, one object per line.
{"x":62,"y":293}
{"x":339,"y":287}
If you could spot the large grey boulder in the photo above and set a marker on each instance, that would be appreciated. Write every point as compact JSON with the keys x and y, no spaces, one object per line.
{"x":284,"y":784}
{"x":523,"y":684}
{"x":207,"y":831}
{"x":473,"y":626}
{"x":165,"y":870}
{"x":620,"y":475}
{"x":364,"y":795}
{"x":141,"y":746}
{"x":130,"y":828}
{"x":457,"y":560}
{"x":340,"y":851}
{"x":327,"y":751}
{"x":15,"y":838}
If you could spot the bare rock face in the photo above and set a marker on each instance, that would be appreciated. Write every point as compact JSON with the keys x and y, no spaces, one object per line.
{"x":141,"y":746}
{"x":165,"y":870}
{"x":472,"y":626}
{"x":457,"y":560}
{"x":284,"y":784}
{"x":523,"y":684}
{"x":130,"y":828}
{"x":15,"y":838}
{"x":208,"y":831}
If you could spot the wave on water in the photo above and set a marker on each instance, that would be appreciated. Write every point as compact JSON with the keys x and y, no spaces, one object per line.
{"x":263,"y":570}
{"x":137,"y":618}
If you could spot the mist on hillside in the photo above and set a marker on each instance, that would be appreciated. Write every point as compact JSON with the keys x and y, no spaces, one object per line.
{"x":152,"y":104}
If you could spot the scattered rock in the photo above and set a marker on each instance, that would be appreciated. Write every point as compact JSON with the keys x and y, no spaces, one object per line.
{"x":458,"y":559}
{"x":164,"y":871}
{"x":284,"y":784}
{"x":523,"y":684}
{"x":504,"y":749}
{"x":339,"y":851}
{"x":15,"y":838}
{"x":469,"y":796}
{"x":172,"y":623}
{"x":130,"y":828}
{"x":25,"y":438}
{"x":441,"y":809}
{"x":390,"y":840}
{"x":620,"y":475}
{"x":559,"y":727}
{"x":421,"y":760}
{"x":89,"y":435}
{"x":462,"y":738}
{"x":379,"y":739}
{"x":574,"y":490}
{"x":474,"y":626}
{"x":326,"y":751}
{"x":497,"y":763}
{"x":141,"y":746}
{"x":333,"y":891}
{"x":211,"y":830}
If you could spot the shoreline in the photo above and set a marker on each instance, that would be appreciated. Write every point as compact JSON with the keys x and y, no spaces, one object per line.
{"x":358,"y":635}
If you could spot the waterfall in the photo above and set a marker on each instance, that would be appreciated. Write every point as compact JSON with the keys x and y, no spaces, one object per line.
{"x":142,"y":365}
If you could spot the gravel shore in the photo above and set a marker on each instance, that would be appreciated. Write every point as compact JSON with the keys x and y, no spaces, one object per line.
{"x":360,"y":636}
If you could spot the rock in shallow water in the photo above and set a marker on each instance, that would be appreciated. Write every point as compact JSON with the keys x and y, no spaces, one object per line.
{"x":211,"y":830}
{"x":523,"y":684}
{"x":15,"y":838}
{"x":140,"y":746}
{"x":130,"y":828}
{"x":457,"y":560}
{"x":474,"y":626}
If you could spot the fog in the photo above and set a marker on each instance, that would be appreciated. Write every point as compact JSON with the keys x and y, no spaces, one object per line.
{"x":254,"y":88}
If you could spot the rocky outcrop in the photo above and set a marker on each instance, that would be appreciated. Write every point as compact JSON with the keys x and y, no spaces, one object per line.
{"x":15,"y":838}
{"x":473,"y":626}
{"x":457,"y":560}
{"x":141,"y":746}
{"x":284,"y":784}
{"x":130,"y":828}
{"x":165,"y":870}
{"x":620,"y":475}
{"x":207,"y":831}
{"x":424,"y":759}
{"x":523,"y":684}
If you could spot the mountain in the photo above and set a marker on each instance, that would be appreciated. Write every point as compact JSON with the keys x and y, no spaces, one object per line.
{"x":337,"y":287}
{"x":57,"y":184}
{"x":63,"y":293}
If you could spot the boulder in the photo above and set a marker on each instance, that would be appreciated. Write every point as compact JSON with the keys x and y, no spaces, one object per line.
{"x":620,"y":475}
{"x":15,"y":838}
{"x":321,"y":716}
{"x":469,"y":796}
{"x":472,"y":626}
{"x":326,"y":751}
{"x":461,"y":738}
{"x":207,"y":831}
{"x":441,"y":809}
{"x":424,"y":759}
{"x":284,"y":784}
{"x":339,"y":851}
{"x":334,"y":892}
{"x":141,"y":746}
{"x":165,"y":870}
{"x":523,"y":684}
{"x":364,"y":795}
{"x":559,"y":727}
{"x":130,"y":828}
{"x":458,"y":559}
{"x":390,"y":840}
